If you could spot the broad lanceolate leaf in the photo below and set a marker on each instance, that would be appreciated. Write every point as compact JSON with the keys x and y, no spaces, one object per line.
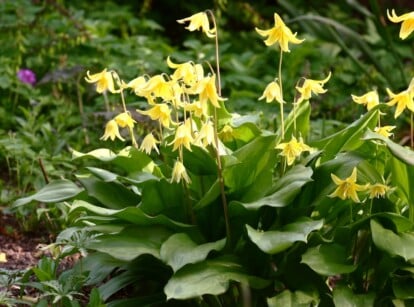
{"x":251,"y":159}
{"x":129,"y":159}
{"x":328,"y":259}
{"x":55,"y":191}
{"x":273,"y":242}
{"x":343,"y":296}
{"x":349,"y":138}
{"x":293,"y":299}
{"x":402,"y":153}
{"x":133,"y":215}
{"x":285,"y":189}
{"x":208,"y":277}
{"x":395,"y":244}
{"x":180,"y":250}
{"x":111,"y":194}
{"x":132,"y":242}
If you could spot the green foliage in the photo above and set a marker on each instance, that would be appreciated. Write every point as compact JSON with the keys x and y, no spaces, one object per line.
{"x":242,"y":224}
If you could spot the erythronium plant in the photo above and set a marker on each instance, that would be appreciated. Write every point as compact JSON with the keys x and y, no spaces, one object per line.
{"x":209,"y":208}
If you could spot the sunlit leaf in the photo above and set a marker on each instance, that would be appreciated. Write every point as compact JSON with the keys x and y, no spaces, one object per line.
{"x":56,"y":191}
{"x":180,"y":250}
{"x":208,"y":277}
{"x":273,"y":242}
{"x":395,"y":244}
{"x":328,"y":260}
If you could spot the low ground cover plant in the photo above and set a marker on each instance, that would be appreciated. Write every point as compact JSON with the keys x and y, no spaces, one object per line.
{"x":208,"y":208}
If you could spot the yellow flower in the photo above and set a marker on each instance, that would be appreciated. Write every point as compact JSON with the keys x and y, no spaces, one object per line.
{"x":272,"y":92}
{"x":188,"y":72}
{"x":293,"y":149}
{"x":183,"y":136}
{"x":199,"y":21}
{"x":407,"y":20}
{"x":137,"y":84}
{"x":377,"y":190}
{"x":103,"y":80}
{"x":197,"y":108}
{"x":148,"y":144}
{"x":179,"y":172}
{"x":206,"y":135}
{"x":111,"y":131}
{"x":207,"y":91}
{"x":385,"y":131}
{"x":403,"y":100}
{"x":281,"y":34}
{"x":124,"y":120}
{"x":369,"y":99}
{"x":157,"y":86}
{"x":347,"y":188}
{"x":310,"y":86}
{"x":160,"y":112}
{"x":226,"y":134}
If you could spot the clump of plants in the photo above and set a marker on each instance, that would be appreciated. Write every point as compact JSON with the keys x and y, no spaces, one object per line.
{"x":209,"y":208}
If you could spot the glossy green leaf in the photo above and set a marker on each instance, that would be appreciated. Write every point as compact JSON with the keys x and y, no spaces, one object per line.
{"x":133,"y":215}
{"x":273,"y":242}
{"x":348,"y":138}
{"x":403,"y":182}
{"x":163,"y":197}
{"x":180,"y":250}
{"x":293,"y":299}
{"x":113,"y":194}
{"x":395,"y":244}
{"x":343,"y":296}
{"x":129,"y":159}
{"x":200,"y":162}
{"x":328,"y":259}
{"x":132,"y":242}
{"x":208,"y":277}
{"x":56,"y":191}
{"x":252,"y":159}
{"x":403,"y":288}
{"x":302,"y":114}
{"x":210,"y":196}
{"x":402,"y":153}
{"x":285,"y":189}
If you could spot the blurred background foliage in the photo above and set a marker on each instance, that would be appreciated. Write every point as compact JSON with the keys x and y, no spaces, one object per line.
{"x":60,"y":40}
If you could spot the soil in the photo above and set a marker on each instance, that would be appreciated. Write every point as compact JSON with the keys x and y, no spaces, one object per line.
{"x":22,"y":250}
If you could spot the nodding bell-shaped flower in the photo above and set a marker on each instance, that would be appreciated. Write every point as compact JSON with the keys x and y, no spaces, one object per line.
{"x":385,"y":131}
{"x":272,"y":92}
{"x":377,"y":190}
{"x":148,"y":144}
{"x":180,"y":173}
{"x":310,"y":87}
{"x":293,"y":149}
{"x":403,"y":100}
{"x":160,"y":112}
{"x":407,"y":20}
{"x":125,"y":120}
{"x":369,"y":99}
{"x":199,"y":21}
{"x":111,"y":131}
{"x":103,"y":80}
{"x":281,"y":34}
{"x":347,"y":188}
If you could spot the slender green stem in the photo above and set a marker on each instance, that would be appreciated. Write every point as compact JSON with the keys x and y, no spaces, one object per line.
{"x":131,"y":130}
{"x":216,"y":142}
{"x":282,"y":120}
{"x":218,"y":81}
{"x":411,"y":131}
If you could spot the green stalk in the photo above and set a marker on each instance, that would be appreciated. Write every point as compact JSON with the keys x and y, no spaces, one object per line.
{"x":282,"y":120}
{"x":219,"y":166}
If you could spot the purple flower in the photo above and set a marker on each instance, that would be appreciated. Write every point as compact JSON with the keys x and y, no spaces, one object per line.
{"x":26,"y":76}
